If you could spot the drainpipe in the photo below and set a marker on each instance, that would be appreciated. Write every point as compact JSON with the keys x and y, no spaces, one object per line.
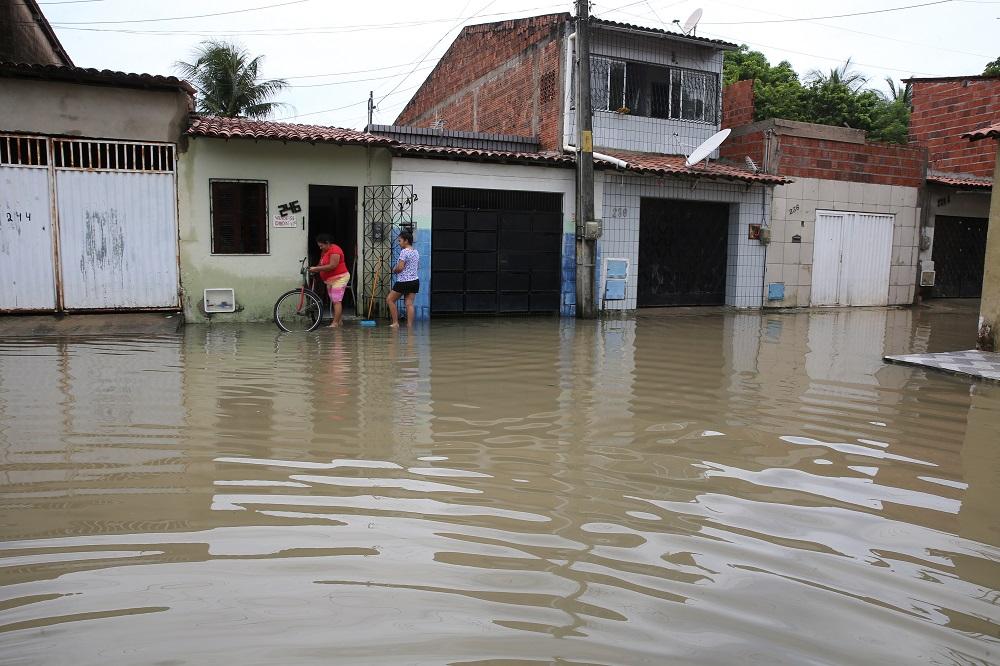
{"x":621,"y":164}
{"x":568,"y":92}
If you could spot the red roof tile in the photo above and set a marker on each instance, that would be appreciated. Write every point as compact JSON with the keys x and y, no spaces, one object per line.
{"x":673,"y":165}
{"x":480,"y":154}
{"x":960,"y":181}
{"x":265,"y":130}
{"x":93,"y":76}
{"x":993,"y":132}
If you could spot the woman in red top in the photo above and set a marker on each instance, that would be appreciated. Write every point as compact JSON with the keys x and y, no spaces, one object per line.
{"x":332,"y":269}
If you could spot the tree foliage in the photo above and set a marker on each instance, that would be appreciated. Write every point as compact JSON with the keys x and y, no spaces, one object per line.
{"x":838,"y":97}
{"x":992,"y":68}
{"x":228,"y":81}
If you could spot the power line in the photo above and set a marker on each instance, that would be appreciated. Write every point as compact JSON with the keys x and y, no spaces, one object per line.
{"x":182,"y":18}
{"x":346,"y":106}
{"x":811,"y":55}
{"x":834,"y":16}
{"x":337,"y":83}
{"x":284,"y":32}
{"x":434,"y":46}
{"x":861,"y":32}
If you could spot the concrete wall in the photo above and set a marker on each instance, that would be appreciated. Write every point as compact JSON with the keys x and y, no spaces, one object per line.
{"x":638,"y":133}
{"x":23,"y":39}
{"x":794,"y":213}
{"x":105,"y":112}
{"x":289,"y":169}
{"x":989,"y":309}
{"x":425,"y":174}
{"x":621,"y":204}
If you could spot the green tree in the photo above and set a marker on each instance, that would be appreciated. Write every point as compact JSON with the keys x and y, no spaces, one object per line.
{"x":777,"y":91}
{"x":992,"y":68}
{"x":228,"y":81}
{"x":902,"y":93}
{"x":843,"y":75}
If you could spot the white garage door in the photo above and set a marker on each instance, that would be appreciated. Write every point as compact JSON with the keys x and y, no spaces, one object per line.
{"x":27,"y":277}
{"x":851,"y":259}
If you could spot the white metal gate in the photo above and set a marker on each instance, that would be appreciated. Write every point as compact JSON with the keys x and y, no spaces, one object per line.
{"x":27,"y":273}
{"x":851,"y":259}
{"x":113,"y":241}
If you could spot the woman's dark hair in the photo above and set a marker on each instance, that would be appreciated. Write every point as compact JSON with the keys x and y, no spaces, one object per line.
{"x":407,"y":236}
{"x":323,"y":238}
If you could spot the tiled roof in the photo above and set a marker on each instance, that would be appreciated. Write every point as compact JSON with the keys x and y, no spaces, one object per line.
{"x":94,"y":76}
{"x":960,"y":181}
{"x":667,"y":33}
{"x":265,"y":130}
{"x":993,"y":132}
{"x":482,"y":155}
{"x":673,"y":165}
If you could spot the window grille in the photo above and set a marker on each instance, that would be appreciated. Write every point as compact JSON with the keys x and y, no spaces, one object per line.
{"x":23,"y":150}
{"x":653,"y":91}
{"x":113,"y":156}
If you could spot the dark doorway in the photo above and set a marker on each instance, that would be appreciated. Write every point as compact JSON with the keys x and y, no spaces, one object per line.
{"x":333,"y":210}
{"x":682,"y":253}
{"x":495,"y":251}
{"x":959,"y":256}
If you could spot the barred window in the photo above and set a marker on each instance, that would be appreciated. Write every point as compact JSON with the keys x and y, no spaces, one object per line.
{"x":652,"y":91}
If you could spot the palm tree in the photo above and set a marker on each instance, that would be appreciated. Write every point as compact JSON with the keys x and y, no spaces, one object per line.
{"x":902,"y":93}
{"x":227,"y":79}
{"x":844,"y":75}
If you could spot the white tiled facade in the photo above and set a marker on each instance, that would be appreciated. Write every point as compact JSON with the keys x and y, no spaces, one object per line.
{"x":745,"y":258}
{"x":794,"y":214}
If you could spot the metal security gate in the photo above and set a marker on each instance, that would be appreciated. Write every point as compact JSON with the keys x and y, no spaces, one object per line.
{"x":851,"y":259}
{"x":388,"y":210}
{"x":682,"y":253}
{"x":27,"y":274}
{"x":959,"y":256}
{"x":93,"y":225}
{"x":495,"y":251}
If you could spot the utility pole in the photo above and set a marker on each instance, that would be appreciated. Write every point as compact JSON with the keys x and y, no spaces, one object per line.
{"x":585,"y":231}
{"x":371,"y":108}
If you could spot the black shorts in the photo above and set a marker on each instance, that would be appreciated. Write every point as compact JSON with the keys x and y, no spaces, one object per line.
{"x":404,"y":288}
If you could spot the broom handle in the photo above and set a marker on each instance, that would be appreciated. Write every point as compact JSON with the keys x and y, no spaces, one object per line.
{"x":371,"y":302}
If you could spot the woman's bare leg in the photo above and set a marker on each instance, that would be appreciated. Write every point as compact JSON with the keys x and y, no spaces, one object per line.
{"x":410,"y":309}
{"x":393,"y":311}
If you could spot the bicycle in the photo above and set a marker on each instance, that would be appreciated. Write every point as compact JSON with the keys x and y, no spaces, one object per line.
{"x":299,"y":309}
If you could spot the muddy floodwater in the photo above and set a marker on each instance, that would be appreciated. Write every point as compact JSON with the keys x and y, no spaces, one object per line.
{"x":690,"y":488}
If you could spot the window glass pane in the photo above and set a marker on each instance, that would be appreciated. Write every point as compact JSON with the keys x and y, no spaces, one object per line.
{"x":599,"y":71}
{"x":616,"y":86}
{"x":675,"y":93}
{"x":699,"y":97}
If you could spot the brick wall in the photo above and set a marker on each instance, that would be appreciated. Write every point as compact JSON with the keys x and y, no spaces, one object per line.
{"x":943,"y":110}
{"x":882,"y":163}
{"x":737,"y":104}
{"x":497,"y":77}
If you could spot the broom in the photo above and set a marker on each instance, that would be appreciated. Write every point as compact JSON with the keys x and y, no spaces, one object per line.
{"x":371,"y":301}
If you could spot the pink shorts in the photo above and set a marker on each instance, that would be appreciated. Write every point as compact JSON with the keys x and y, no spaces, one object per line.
{"x":336,"y":286}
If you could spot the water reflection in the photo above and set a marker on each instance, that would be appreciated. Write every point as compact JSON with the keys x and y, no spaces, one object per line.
{"x":703,"y":488}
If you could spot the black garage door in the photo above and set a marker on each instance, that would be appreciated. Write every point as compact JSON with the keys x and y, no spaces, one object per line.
{"x":682,"y":253}
{"x":495,"y":251}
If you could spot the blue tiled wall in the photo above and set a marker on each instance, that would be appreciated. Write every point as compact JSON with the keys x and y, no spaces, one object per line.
{"x":568,"y":308}
{"x":422,"y":244}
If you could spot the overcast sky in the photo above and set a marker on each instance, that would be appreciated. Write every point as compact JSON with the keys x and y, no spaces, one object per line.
{"x":333,"y":52}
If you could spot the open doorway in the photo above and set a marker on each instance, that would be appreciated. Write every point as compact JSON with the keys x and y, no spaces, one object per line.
{"x":333,"y":210}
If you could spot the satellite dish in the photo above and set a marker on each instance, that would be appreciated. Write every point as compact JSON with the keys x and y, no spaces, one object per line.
{"x":692,"y":22}
{"x":710,"y":145}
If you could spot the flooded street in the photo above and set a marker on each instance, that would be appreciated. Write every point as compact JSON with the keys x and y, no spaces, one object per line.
{"x":690,"y":488}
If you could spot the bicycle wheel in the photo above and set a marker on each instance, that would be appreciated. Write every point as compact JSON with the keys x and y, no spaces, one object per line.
{"x":298,"y":310}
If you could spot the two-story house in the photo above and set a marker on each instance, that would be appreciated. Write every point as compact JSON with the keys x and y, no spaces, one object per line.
{"x":672,"y":234}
